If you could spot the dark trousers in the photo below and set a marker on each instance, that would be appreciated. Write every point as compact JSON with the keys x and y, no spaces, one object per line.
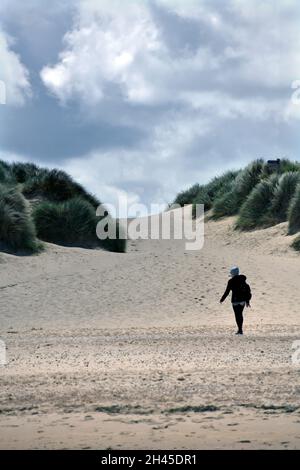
{"x":238,"y":311}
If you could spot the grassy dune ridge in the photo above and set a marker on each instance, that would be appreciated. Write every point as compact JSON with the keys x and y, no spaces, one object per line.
{"x":258,"y":195}
{"x":40,"y":204}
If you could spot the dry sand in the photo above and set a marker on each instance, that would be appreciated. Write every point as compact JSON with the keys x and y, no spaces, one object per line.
{"x":134,"y":351}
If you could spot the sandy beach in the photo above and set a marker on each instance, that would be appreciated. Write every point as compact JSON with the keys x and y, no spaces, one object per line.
{"x":109,"y":350}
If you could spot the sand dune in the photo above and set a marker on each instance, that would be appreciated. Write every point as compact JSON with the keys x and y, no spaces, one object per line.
{"x":134,"y":350}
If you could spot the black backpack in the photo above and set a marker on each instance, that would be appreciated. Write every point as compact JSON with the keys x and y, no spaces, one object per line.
{"x":245,"y":291}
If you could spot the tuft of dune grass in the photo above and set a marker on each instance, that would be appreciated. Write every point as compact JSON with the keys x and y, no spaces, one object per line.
{"x":188,"y":196}
{"x":23,"y":172}
{"x":17,"y":230}
{"x":230,"y":202}
{"x":255,"y":212}
{"x":294,"y":212}
{"x":72,"y":223}
{"x":226,"y":205}
{"x":296,"y":244}
{"x":258,"y":194}
{"x":283,"y":195}
{"x":60,"y":210}
{"x":56,"y":186}
{"x":68,"y":223}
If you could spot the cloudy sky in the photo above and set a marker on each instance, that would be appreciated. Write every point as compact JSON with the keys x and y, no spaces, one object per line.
{"x":148,"y":97}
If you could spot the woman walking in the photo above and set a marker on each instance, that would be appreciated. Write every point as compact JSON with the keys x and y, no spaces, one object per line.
{"x":240,"y":297}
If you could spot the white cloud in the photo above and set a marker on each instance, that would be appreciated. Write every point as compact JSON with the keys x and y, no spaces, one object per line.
{"x":13,"y":73}
{"x":154,"y":173}
{"x":106,"y":47}
{"x":125,"y":46}
{"x":230,"y":75}
{"x":203,"y":85}
{"x":111,"y":44}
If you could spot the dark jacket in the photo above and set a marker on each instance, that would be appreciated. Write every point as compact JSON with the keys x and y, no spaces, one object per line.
{"x":240,"y":290}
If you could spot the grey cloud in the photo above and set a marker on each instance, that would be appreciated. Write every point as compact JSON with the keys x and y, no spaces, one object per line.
{"x":44,"y":131}
{"x":217,"y":94}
